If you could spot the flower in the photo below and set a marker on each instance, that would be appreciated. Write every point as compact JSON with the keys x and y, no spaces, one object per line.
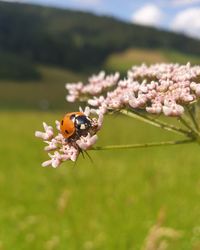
{"x":96,"y":84}
{"x":64,"y":150}
{"x":87,"y":142}
{"x":159,"y":88}
{"x":47,"y":135}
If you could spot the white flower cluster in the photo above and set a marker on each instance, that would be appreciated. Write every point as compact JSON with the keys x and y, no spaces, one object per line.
{"x":159,"y":88}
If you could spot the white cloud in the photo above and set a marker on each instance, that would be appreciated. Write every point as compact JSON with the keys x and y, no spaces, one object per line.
{"x":149,"y":15}
{"x":188,"y":22}
{"x":184,"y":2}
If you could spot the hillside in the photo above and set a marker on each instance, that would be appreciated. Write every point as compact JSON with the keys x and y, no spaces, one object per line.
{"x":31,"y":35}
{"x":47,"y":93}
{"x":121,"y":61}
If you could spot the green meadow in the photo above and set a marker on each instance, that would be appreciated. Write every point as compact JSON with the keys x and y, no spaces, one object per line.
{"x":111,"y":203}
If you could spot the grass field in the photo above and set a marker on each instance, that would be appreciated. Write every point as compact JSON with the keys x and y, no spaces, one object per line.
{"x":108,"y":205}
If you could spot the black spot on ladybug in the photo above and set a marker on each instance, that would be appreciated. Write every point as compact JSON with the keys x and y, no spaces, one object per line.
{"x":66,"y":131}
{"x":62,"y":122}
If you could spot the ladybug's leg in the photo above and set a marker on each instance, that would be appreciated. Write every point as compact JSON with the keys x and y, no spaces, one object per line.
{"x":72,"y":142}
{"x":90,"y":158}
{"x":82,"y":152}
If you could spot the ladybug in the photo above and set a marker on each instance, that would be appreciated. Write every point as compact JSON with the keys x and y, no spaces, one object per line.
{"x":75,"y":124}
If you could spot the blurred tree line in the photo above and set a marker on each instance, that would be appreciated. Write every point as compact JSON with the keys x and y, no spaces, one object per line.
{"x":31,"y":35}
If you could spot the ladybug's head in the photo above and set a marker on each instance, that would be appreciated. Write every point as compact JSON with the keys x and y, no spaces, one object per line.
{"x":82,"y":123}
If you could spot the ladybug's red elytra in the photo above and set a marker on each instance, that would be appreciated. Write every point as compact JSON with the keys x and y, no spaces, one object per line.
{"x":75,"y":124}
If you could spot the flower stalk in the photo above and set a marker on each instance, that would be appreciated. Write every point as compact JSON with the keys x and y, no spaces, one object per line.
{"x":193,"y":118}
{"x":144,"y":145}
{"x":185,"y":122}
{"x":156,"y":122}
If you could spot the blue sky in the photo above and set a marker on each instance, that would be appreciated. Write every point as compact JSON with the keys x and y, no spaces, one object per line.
{"x":178,"y":15}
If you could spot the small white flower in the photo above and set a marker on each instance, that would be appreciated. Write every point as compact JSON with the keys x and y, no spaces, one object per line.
{"x":87,"y":142}
{"x":48,"y":134}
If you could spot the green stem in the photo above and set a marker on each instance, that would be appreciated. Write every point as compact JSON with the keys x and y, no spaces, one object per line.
{"x":187,"y":125}
{"x":156,"y":122}
{"x":192,"y":116}
{"x":143,"y":145}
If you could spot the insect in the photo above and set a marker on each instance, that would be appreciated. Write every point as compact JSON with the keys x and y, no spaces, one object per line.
{"x":75,"y":124}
